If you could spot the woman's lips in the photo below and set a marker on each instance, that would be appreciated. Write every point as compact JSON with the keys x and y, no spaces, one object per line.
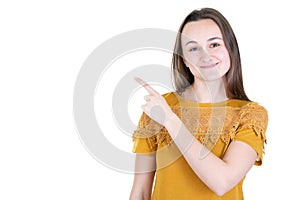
{"x":209,"y":66}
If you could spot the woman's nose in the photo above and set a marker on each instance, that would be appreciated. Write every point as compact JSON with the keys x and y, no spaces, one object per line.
{"x":204,"y":55}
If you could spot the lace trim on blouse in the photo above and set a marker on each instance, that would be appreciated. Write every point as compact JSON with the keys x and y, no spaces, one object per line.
{"x":207,"y":124}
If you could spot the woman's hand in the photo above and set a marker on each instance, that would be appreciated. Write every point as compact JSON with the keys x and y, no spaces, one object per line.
{"x":156,"y":106}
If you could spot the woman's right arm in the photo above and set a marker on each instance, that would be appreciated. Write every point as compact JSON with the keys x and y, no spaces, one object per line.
{"x":143,"y":178}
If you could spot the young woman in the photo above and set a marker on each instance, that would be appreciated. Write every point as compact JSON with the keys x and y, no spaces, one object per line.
{"x":200,"y":141}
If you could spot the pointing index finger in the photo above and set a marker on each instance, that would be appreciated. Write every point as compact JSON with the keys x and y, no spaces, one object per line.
{"x":147,"y":86}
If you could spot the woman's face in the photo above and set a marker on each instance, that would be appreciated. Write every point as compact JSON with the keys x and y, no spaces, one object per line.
{"x":204,"y":51}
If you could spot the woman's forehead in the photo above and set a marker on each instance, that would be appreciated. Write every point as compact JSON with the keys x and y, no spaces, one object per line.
{"x":201,"y":30}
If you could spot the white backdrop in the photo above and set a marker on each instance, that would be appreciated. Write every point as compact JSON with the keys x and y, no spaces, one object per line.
{"x":42,"y":48}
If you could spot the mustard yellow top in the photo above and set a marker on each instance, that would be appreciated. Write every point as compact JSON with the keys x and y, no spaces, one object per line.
{"x":215,"y":125}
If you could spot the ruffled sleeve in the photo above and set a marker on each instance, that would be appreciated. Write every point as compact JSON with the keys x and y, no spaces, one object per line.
{"x":149,"y":133}
{"x":144,"y":137}
{"x":251,"y":129}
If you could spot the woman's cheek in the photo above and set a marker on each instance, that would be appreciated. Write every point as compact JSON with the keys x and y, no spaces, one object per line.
{"x":192,"y":59}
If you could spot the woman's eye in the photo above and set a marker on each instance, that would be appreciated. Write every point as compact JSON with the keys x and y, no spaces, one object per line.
{"x":214,"y":45}
{"x":193,"y":49}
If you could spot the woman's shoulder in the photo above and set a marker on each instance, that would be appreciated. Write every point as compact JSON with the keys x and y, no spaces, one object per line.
{"x":249,"y":112}
{"x":255,"y":110}
{"x":246,"y":105}
{"x":169,"y":95}
{"x":252,"y":114}
{"x":171,"y":98}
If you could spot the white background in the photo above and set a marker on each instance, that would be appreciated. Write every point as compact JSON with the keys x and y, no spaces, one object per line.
{"x":43,"y":45}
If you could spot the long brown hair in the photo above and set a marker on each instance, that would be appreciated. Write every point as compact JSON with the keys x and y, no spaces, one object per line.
{"x":182,"y":76}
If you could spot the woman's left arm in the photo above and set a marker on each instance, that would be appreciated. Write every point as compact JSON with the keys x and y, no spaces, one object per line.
{"x":220,"y":175}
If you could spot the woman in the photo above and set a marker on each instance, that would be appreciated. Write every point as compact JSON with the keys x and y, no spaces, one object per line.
{"x":201,"y":140}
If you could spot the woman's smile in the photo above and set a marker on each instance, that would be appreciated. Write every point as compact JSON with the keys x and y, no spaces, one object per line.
{"x":208,"y":66}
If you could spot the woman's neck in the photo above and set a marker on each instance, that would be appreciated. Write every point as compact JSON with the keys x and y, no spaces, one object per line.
{"x":207,"y":91}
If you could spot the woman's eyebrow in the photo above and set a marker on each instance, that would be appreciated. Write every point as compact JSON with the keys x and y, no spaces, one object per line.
{"x":210,"y":39}
{"x":190,"y":42}
{"x":214,"y":38}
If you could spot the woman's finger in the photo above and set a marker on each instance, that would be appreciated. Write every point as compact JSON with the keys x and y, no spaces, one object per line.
{"x":150,"y":90}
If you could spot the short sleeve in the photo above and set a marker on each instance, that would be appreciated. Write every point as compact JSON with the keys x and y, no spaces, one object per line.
{"x":253,"y":121}
{"x":149,"y":133}
{"x":144,"y":137}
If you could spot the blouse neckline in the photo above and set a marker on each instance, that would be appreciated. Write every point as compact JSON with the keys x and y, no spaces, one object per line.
{"x":182,"y":99}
